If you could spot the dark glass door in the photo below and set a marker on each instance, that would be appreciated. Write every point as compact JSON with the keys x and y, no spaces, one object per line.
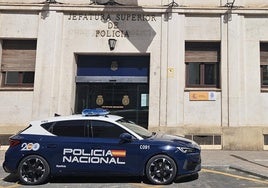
{"x":129,"y":100}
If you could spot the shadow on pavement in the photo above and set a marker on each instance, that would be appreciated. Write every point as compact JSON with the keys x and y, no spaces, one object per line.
{"x":86,"y":179}
{"x":13,"y":178}
{"x":187,"y":178}
{"x":243,"y":159}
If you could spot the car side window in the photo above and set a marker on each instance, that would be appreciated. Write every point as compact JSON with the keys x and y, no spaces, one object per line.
{"x":70,"y":128}
{"x":103,"y":129}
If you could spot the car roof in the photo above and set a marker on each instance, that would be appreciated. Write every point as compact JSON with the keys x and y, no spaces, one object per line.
{"x":111,"y":118}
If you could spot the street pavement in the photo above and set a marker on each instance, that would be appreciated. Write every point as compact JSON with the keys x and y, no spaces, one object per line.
{"x":251,"y":162}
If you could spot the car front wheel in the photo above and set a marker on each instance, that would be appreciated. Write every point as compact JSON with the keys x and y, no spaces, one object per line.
{"x":161,"y":170}
{"x":33,"y":170}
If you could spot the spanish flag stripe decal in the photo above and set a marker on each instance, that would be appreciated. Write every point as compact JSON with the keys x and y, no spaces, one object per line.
{"x":119,"y":153}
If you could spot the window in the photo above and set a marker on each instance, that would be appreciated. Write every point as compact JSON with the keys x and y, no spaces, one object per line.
{"x":264,"y":64}
{"x":265,"y":139}
{"x":103,"y":129}
{"x":18,"y":63}
{"x":71,"y":128}
{"x":202,"y":64}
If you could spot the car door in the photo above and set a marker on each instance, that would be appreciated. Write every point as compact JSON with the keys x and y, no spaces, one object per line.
{"x":110,"y":154}
{"x":68,"y":150}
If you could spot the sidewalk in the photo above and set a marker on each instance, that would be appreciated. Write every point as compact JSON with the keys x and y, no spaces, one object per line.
{"x":252,"y":162}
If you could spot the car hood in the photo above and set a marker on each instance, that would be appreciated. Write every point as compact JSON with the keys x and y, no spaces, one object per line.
{"x":176,"y":140}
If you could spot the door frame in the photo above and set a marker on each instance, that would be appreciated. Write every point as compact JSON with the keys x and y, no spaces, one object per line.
{"x":131,"y":79}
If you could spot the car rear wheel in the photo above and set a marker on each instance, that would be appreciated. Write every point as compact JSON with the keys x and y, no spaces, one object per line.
{"x":33,"y":170}
{"x":161,"y":170}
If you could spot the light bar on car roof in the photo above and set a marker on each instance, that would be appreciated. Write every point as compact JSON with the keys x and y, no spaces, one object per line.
{"x":95,"y":112}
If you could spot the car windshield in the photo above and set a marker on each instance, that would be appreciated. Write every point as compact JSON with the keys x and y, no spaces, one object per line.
{"x":144,"y":133}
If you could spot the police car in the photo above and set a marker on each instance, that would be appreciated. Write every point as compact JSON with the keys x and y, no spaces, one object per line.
{"x":100,"y":144}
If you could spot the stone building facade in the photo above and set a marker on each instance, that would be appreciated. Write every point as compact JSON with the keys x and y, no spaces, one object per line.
{"x":193,"y":68}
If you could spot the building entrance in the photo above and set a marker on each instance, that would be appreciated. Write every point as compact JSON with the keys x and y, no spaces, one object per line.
{"x":125,"y":99}
{"x":117,"y":83}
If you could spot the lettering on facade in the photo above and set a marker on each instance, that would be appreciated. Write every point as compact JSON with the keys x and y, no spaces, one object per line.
{"x":114,"y":22}
{"x":109,"y":17}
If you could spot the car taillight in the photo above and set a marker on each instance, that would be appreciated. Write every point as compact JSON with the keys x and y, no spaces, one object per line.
{"x":13,"y":142}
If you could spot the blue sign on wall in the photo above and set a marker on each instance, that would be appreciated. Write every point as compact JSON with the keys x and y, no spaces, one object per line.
{"x":113,"y":66}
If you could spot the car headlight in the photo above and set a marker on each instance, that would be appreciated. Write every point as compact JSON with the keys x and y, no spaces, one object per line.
{"x":186,"y":149}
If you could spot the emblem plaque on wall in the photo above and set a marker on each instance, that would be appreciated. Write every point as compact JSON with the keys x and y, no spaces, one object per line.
{"x":125,"y":100}
{"x":99,"y":100}
{"x":114,"y":65}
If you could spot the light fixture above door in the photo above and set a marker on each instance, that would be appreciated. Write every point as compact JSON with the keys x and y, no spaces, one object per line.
{"x":112,"y":43}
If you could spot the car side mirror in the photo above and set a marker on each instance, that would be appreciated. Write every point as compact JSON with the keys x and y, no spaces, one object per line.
{"x":126,"y":137}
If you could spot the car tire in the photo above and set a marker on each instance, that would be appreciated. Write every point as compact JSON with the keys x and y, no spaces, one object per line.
{"x":33,"y":170}
{"x":161,"y":170}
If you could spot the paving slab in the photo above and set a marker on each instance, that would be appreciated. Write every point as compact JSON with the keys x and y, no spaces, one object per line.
{"x":252,"y":162}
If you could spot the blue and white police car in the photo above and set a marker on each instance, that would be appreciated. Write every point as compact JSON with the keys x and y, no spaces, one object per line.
{"x":98,"y":144}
